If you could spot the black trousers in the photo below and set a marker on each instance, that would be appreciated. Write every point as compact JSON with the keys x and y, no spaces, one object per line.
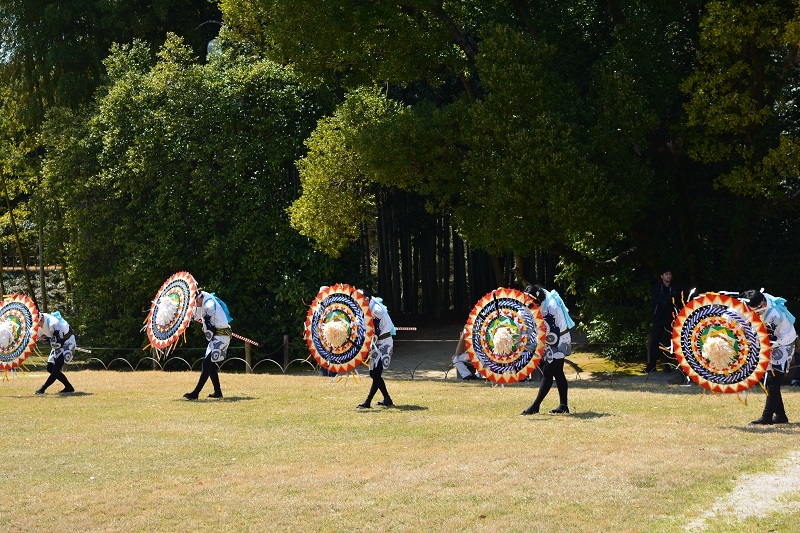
{"x":796,"y":374}
{"x":377,"y":384}
{"x":55,"y":374}
{"x":658,"y":334}
{"x":209,"y":370}
{"x":553,"y":370}
{"x":774,"y":404}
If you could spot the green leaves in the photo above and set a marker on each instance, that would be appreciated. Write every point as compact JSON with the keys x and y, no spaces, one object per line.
{"x":743,"y":108}
{"x":520,"y":168}
{"x":355,"y":42}
{"x":337,"y":197}
{"x":184,"y":166}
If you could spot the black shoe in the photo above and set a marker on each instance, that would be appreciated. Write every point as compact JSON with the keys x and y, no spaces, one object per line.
{"x":39,"y":391}
{"x":795,"y":383}
{"x":780,"y":419}
{"x":190,"y":395}
{"x":763,"y":421}
{"x":471,"y":376}
{"x":364,"y":405}
{"x":66,"y":390}
{"x":384,"y":403}
{"x":560,"y":410}
{"x":649,"y":369}
{"x":215,"y":395}
{"x":530,"y":411}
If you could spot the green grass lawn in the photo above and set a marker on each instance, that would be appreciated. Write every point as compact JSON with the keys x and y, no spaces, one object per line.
{"x":291,"y":453}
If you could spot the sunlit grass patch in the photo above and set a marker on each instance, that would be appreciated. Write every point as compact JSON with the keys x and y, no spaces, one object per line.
{"x":291,"y":453}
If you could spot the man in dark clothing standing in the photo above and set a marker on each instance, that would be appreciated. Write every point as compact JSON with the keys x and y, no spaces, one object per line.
{"x":663,"y":306}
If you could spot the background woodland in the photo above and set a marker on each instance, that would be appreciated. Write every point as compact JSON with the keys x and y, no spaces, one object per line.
{"x":430,"y":151}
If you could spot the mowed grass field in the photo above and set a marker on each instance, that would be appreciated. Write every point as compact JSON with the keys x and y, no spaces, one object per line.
{"x":291,"y":453}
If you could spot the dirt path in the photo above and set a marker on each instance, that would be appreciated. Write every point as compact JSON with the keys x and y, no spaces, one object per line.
{"x":757,"y":494}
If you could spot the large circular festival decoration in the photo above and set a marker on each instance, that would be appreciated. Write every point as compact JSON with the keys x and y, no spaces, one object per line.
{"x":721,"y":343}
{"x":19,"y":326}
{"x":506,"y":336}
{"x":171,"y":311}
{"x":339,"y":328}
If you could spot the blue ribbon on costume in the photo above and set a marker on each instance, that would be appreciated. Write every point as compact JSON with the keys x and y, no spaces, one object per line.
{"x":216,"y":301}
{"x":57,"y":315}
{"x":553,"y":296}
{"x":779,"y":304}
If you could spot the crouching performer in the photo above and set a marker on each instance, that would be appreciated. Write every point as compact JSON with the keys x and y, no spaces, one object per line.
{"x":780,"y":327}
{"x":559,"y":346}
{"x":55,"y":330}
{"x":213,"y":315}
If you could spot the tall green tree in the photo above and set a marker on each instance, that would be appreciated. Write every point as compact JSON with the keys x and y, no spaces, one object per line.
{"x":743,"y":105}
{"x":742,"y":118}
{"x":52,"y":54}
{"x":536,"y":125}
{"x":185,"y":166}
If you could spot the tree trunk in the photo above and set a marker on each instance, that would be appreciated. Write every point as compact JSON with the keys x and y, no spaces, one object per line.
{"x":42,"y":278}
{"x":460,"y":295}
{"x":366,"y":256}
{"x":429,"y":278}
{"x":407,"y":272}
{"x":394,"y":255}
{"x":22,"y":262}
{"x":481,"y":274}
{"x":444,"y":266}
{"x":384,"y":259}
{"x":417,"y":277}
{"x":519,"y":271}
{"x":2,"y":271}
{"x":498,"y":271}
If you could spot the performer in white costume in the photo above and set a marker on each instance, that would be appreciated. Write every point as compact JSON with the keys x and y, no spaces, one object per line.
{"x":55,"y":330}
{"x":780,"y":326}
{"x":213,"y":315}
{"x":559,"y":346}
{"x":380,"y":353}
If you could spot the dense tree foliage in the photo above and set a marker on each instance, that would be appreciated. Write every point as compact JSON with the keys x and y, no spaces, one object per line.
{"x":173,"y":170}
{"x":744,"y":96}
{"x":53,"y":51}
{"x":537,"y":127}
{"x":52,"y":56}
{"x":458,"y":145}
{"x":559,"y":127}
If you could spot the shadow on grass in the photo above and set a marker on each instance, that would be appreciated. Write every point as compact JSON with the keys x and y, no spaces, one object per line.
{"x":232,"y":399}
{"x":786,"y":429}
{"x":395,"y":407}
{"x":409,"y":407}
{"x":73,"y":394}
{"x":639,"y":383}
{"x":587,"y":415}
{"x":56,"y":395}
{"x":225,"y":399}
